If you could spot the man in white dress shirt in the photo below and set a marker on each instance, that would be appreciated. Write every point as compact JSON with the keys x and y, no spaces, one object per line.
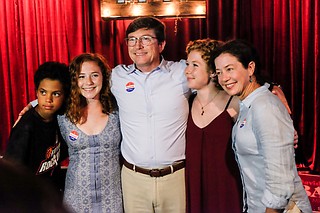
{"x":152,"y":95}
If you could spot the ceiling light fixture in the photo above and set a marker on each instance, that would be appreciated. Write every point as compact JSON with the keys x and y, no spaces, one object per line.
{"x":128,"y":9}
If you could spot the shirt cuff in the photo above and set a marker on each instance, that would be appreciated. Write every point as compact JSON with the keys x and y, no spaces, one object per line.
{"x":273,"y":201}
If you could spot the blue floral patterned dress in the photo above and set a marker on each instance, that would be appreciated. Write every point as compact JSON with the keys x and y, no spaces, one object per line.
{"x":93,"y":175}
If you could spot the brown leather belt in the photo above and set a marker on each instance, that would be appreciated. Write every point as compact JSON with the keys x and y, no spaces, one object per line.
{"x":156,"y":172}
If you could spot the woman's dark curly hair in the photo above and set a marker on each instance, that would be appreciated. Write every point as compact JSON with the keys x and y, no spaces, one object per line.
{"x":76,"y":102}
{"x":206,"y":47}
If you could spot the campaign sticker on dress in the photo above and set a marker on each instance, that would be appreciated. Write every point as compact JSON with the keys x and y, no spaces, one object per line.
{"x":73,"y":135}
{"x":130,"y":86}
{"x":243,"y":123}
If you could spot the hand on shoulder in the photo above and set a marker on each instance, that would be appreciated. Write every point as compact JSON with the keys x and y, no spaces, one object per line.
{"x":22,"y":112}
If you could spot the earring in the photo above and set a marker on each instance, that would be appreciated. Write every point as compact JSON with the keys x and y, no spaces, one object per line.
{"x":250,"y":80}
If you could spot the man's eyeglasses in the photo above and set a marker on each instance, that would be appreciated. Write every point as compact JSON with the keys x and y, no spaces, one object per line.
{"x":145,"y":40}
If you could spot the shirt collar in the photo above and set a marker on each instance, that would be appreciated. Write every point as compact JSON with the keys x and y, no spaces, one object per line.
{"x":162,"y":66}
{"x":249,"y":99}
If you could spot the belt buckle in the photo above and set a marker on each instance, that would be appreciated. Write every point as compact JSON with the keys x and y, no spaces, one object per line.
{"x":155,"y":172}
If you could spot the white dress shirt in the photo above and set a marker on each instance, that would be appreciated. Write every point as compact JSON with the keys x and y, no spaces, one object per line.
{"x":153,"y":110}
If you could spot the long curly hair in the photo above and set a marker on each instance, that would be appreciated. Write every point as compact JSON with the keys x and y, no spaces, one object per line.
{"x":76,"y":102}
{"x":206,"y":47}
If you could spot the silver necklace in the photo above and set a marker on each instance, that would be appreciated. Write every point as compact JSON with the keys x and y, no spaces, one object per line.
{"x":202,"y":107}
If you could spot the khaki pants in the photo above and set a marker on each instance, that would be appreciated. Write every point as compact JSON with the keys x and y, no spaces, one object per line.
{"x":145,"y":194}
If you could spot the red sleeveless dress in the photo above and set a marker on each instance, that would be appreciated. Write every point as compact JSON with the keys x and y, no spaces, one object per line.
{"x":213,"y":183}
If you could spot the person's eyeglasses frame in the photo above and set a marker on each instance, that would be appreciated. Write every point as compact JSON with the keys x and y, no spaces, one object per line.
{"x":140,"y":39}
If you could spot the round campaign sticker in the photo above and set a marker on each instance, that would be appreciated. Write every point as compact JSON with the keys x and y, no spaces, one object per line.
{"x":73,"y":135}
{"x":243,"y":123}
{"x":130,"y":86}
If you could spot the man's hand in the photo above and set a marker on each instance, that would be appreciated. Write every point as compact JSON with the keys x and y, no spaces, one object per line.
{"x":278,"y":92}
{"x":268,"y":210}
{"x":295,"y":139}
{"x":23,"y":111}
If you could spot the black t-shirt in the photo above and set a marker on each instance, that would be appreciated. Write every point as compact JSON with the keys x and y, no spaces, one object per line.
{"x":38,"y":145}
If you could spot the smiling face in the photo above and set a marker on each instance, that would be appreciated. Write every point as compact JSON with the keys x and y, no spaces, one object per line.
{"x":145,"y":57}
{"x":232,"y":75}
{"x":197,"y":71}
{"x":50,"y":98}
{"x":90,"y":80}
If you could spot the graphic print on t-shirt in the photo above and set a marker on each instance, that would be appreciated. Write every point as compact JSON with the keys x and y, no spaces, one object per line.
{"x":51,"y":161}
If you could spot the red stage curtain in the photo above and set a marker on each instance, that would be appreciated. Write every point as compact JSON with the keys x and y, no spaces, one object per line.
{"x":286,"y":32}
